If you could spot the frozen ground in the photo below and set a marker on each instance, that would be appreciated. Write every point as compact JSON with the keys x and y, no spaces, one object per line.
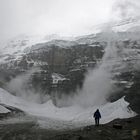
{"x":49,"y":116}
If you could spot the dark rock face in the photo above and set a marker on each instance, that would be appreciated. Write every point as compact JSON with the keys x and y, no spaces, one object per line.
{"x":133,"y":94}
{"x":70,"y":59}
{"x":127,"y":79}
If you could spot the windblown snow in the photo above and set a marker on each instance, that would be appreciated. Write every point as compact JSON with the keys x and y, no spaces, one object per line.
{"x":74,"y":115}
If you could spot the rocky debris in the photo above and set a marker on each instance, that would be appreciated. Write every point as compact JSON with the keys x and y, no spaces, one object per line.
{"x":12,"y":112}
{"x":31,"y":131}
{"x":117,"y":126}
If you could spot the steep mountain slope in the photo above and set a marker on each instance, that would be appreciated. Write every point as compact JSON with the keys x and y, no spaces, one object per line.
{"x":69,"y":58}
{"x":73,"y":58}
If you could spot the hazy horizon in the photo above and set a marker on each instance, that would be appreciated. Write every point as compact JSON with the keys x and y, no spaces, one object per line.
{"x":61,"y":17}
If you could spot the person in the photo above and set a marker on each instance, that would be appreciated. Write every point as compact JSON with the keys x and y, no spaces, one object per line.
{"x":97,"y":116}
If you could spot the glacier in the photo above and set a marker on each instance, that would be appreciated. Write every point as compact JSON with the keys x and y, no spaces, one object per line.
{"x":48,"y":115}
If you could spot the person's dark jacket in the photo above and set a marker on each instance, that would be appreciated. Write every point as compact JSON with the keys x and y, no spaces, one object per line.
{"x":97,"y":114}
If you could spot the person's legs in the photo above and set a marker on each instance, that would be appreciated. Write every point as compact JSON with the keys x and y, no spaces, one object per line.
{"x":96,"y":121}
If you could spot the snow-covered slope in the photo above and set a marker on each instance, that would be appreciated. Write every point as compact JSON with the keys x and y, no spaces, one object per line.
{"x":73,"y":114}
{"x":130,"y":24}
{"x":20,"y":43}
{"x":15,"y":48}
{"x":3,"y":109}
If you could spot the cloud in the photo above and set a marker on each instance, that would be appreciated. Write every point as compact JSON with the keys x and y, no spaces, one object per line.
{"x":65,"y":17}
{"x":126,"y":9}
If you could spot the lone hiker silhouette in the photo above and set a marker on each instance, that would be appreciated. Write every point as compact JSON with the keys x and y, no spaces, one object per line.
{"x":97,"y":117}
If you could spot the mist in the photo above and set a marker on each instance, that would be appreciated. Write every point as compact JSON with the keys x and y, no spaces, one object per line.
{"x":98,"y":85}
{"x":20,"y":87}
{"x":45,"y":17}
{"x":125,"y":9}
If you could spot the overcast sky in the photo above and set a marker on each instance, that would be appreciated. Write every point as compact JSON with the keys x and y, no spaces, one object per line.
{"x":63,"y":17}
